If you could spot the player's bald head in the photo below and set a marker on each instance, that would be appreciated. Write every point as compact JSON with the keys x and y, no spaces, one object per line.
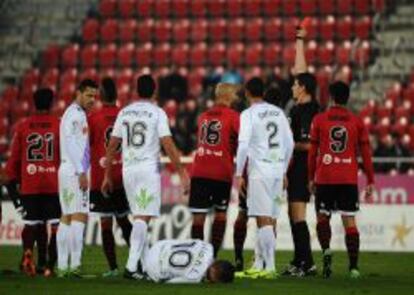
{"x":226,"y":92}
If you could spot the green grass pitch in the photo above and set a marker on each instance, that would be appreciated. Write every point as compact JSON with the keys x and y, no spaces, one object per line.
{"x":383,"y":273}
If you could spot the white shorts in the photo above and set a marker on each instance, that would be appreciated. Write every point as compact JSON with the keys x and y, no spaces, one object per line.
{"x":143,"y":190}
{"x":264,"y":197}
{"x":72,"y":199}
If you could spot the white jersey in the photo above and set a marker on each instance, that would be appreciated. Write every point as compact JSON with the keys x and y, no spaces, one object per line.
{"x":266,"y":134}
{"x":74,"y":140}
{"x":174,"y":261}
{"x":140,"y":126}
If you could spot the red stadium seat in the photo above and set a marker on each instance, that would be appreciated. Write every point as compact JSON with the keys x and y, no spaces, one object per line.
{"x":254,"y":54}
{"x":327,"y":28}
{"x":326,"y":53}
{"x":363,"y":53}
{"x":124,"y":76}
{"x":289,"y":28}
{"x":126,"y":8}
{"x":217,"y":30}
{"x":408,"y":94}
{"x":343,"y":53}
{"x":89,"y":55}
{"x":68,"y":77}
{"x":288,"y":54}
{"x":234,"y":8}
{"x":311,"y":52}
{"x":326,"y":6}
{"x":162,"y":54}
{"x":323,"y":77}
{"x":127,"y":30}
{"x":109,"y":31}
{"x":145,"y":30}
{"x":344,"y":28}
{"x":143,"y":55}
{"x":253,"y":8}
{"x":307,"y":7}
{"x":362,"y":27}
{"x":107,"y":73}
{"x":198,"y":54}
{"x":272,"y":54}
{"x":271,"y":7}
{"x":199,"y":31}
{"x":108,"y":8}
{"x":400,"y":127}
{"x":273,"y":29}
{"x":195,"y":77}
{"x":90,"y":73}
{"x":289,"y":7}
{"x":344,"y":6}
{"x":402,"y":112}
{"x":235,"y":54}
{"x":394,"y":93}
{"x":254,"y":30}
{"x":31,"y":77}
{"x":10,"y":94}
{"x":125,"y":54}
{"x":162,"y":30}
{"x":362,"y":7}
{"x":107,"y":55}
{"x":180,"y":8}
{"x":181,"y":30}
{"x":235,"y":30}
{"x":145,"y":8}
{"x":162,"y":8}
{"x":51,"y":56}
{"x":216,"y":54}
{"x":379,"y":6}
{"x":216,"y":8}
{"x":90,"y":30}
{"x":312,"y":30}
{"x":198,"y":8}
{"x":180,"y":54}
{"x":50,"y":77}
{"x":70,"y":55}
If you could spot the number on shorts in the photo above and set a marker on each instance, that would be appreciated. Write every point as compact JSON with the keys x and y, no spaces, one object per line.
{"x":338,"y":136}
{"x":136,"y":133}
{"x":210,"y":132}
{"x":181,"y":256}
{"x":273,"y":129}
{"x":35,"y":143}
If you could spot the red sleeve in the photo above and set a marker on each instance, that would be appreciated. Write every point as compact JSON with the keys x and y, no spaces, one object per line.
{"x":365,"y":150}
{"x":312,"y":153}
{"x":13,"y":166}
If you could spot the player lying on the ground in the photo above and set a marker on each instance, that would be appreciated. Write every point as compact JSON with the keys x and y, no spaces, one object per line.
{"x":189,"y":261}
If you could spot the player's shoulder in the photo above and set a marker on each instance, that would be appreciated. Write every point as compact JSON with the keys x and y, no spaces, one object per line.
{"x":73,"y":111}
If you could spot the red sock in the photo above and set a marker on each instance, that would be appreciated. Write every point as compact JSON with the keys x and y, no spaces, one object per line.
{"x":323,"y":229}
{"x":352,"y":246}
{"x":239,"y":236}
{"x":219,"y":226}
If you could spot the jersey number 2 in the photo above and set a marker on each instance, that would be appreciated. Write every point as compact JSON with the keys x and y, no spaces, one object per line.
{"x":35,"y":143}
{"x":272,"y":128}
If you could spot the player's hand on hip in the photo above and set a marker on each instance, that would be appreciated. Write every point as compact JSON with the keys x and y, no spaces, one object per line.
{"x":239,"y":182}
{"x":369,"y":190}
{"x":312,"y":187}
{"x":83,"y":182}
{"x":107,"y":187}
{"x":285,"y":182}
{"x":185,"y":181}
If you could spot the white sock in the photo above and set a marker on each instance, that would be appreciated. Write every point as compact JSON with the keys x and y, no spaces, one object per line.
{"x":62,"y":240}
{"x":76,"y":243}
{"x":137,"y":244}
{"x":267,"y":243}
{"x":258,"y":257}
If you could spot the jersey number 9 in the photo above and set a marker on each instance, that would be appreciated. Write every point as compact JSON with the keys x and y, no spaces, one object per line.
{"x":338,"y":136}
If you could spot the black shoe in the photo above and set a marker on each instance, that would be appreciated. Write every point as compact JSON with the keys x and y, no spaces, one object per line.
{"x":132,"y":275}
{"x":290,"y":270}
{"x":310,"y":271}
{"x":327,"y":265}
{"x":239,"y":264}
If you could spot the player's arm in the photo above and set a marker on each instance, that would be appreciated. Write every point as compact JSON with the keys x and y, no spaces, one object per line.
{"x":365,"y":150}
{"x":300,"y":60}
{"x":111,"y":150}
{"x":289,"y":142}
{"x":313,"y":152}
{"x":245,"y":134}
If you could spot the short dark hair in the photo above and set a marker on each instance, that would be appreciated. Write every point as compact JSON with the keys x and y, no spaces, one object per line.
{"x":255,"y":86}
{"x":225,"y":271}
{"x":339,"y":92}
{"x":273,"y":96}
{"x":108,"y":91}
{"x":145,"y":86}
{"x":43,"y":99}
{"x":308,"y":81}
{"x":85,"y":83}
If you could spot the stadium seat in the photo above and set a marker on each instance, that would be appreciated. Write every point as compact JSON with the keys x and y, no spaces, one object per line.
{"x":216,"y":54}
{"x":307,"y":7}
{"x":289,"y":7}
{"x":126,"y":8}
{"x":162,"y":8}
{"x":89,"y":55}
{"x":196,"y":76}
{"x":288,"y":54}
{"x":107,"y":73}
{"x":107,"y":55}
{"x":127,"y":30}
{"x":326,"y":53}
{"x":253,"y":8}
{"x":254,"y":54}
{"x":10,"y":94}
{"x":181,"y":30}
{"x":162,"y":55}
{"x":311,"y":52}
{"x":235,"y":54}
{"x":145,"y":8}
{"x":70,"y":55}
{"x":234,"y":8}
{"x":90,"y":30}
{"x":90,"y":73}
{"x":109,"y":31}
{"x":273,"y":29}
{"x":51,"y":56}
{"x":327,"y":28}
{"x":69,"y":76}
{"x":179,"y":55}
{"x":402,"y":111}
{"x":272,"y":54}
{"x":216,"y":8}
{"x":271,"y":8}
{"x":162,"y":30}
{"x":254,"y":30}
{"x":143,"y":55}
{"x":180,"y":8}
{"x":108,"y":8}
{"x":199,"y":31}
{"x":343,"y":53}
{"x":217,"y":29}
{"x":362,"y":27}
{"x":362,"y":7}
{"x":31,"y":77}
{"x":408,"y":93}
{"x":145,"y":30}
{"x":124,"y":77}
{"x":344,"y":6}
{"x":312,"y":30}
{"x":379,"y":6}
{"x":326,"y":7}
{"x":400,"y":127}
{"x":323,"y":77}
{"x":235,"y":30}
{"x":125,"y":54}
{"x":363,"y":54}
{"x":66,"y":92}
{"x":344,"y":28}
{"x":289,"y":28}
{"x":198,"y":8}
{"x":394,"y":93}
{"x":59,"y":107}
{"x":198,"y":54}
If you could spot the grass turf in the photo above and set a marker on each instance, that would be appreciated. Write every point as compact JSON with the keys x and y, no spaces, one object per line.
{"x":382,"y":273}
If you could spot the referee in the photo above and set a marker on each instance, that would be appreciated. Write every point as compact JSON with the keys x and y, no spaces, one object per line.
{"x":301,"y":115}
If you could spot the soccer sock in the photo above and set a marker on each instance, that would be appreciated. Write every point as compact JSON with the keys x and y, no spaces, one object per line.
{"x":28,"y":237}
{"x":323,"y":230}
{"x":197,"y":231}
{"x":352,"y":246}
{"x":76,"y":243}
{"x":138,"y":239}
{"x":126,"y":228}
{"x":218,"y":228}
{"x":62,"y":239}
{"x":52,"y":250}
{"x":303,"y":243}
{"x":239,"y":236}
{"x":108,"y":243}
{"x":296,"y":260}
{"x":267,"y":244}
{"x":41,"y":242}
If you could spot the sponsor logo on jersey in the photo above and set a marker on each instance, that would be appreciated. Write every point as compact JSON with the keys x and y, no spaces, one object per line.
{"x":327,"y":159}
{"x":31,"y":169}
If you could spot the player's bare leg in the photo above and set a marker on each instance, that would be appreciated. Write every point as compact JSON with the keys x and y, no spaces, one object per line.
{"x":323,"y":230}
{"x":352,"y":244}
{"x":77,"y":228}
{"x":197,"y":228}
{"x":63,"y":245}
{"x":218,"y":228}
{"x":239,"y":236}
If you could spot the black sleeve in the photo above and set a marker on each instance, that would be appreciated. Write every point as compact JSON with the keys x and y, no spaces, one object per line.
{"x":13,"y":193}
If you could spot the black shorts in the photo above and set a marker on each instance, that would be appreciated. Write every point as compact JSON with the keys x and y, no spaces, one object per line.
{"x":297,"y":189}
{"x":343,"y":198}
{"x":207,"y":193}
{"x":116,"y":204}
{"x":41,"y":207}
